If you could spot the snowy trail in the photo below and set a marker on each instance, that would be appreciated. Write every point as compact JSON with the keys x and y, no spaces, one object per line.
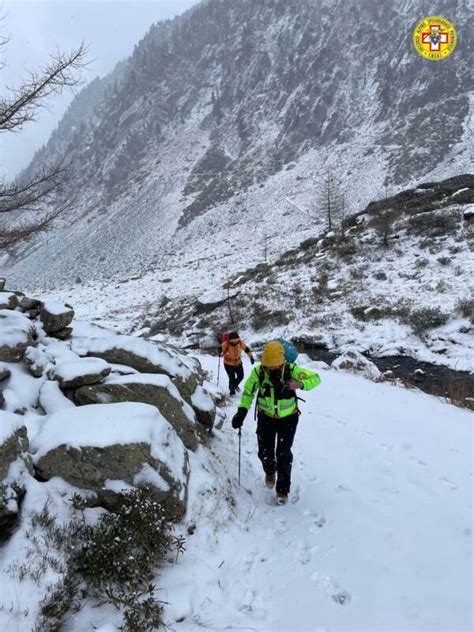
{"x":377,"y":534}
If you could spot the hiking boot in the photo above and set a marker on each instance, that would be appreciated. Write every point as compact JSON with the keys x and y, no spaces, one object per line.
{"x":282,"y":499}
{"x":270,"y":480}
{"x":231,"y":391}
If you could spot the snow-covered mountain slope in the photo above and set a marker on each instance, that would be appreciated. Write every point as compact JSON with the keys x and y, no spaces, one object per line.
{"x":412,"y":297}
{"x":223,"y":115}
{"x":377,"y":534}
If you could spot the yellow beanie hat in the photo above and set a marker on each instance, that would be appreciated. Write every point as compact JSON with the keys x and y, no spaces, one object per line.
{"x":273,"y":354}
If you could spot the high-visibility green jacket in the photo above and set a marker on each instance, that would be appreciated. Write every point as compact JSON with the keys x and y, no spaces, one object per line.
{"x":276,"y":401}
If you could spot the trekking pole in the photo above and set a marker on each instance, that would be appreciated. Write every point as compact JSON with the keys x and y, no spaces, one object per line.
{"x":240,"y":446}
{"x":218,"y":367}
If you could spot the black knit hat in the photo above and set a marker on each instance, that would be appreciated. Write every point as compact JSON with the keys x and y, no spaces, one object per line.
{"x":233,"y":335}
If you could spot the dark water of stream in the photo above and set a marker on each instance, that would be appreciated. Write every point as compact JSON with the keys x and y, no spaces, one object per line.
{"x":430,"y":378}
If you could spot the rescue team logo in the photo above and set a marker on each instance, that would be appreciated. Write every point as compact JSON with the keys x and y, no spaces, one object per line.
{"x":435,"y":37}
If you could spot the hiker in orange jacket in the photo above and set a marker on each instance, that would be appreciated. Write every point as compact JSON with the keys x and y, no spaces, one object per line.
{"x":231,"y":350}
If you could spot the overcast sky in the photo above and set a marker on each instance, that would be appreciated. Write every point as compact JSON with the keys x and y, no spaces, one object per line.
{"x":110,"y":28}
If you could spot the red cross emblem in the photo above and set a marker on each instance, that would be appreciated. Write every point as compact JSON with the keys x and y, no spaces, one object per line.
{"x":435,"y":37}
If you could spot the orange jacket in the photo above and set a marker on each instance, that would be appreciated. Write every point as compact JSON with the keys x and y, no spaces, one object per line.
{"x":232,"y":352}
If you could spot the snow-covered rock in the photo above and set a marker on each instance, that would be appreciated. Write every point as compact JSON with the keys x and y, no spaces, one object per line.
{"x":14,"y":465}
{"x":153,"y":389}
{"x":8,"y":300}
{"x":16,"y":334}
{"x":52,"y":399}
{"x":77,"y":373}
{"x":4,"y":373}
{"x":204,"y":406}
{"x":355,"y":362}
{"x":37,"y":360}
{"x":130,"y":442}
{"x":55,"y":316}
{"x":30,"y":305}
{"x":145,"y":357}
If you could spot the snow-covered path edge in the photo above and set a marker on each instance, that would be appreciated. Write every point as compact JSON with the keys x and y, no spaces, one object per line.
{"x":377,"y":534}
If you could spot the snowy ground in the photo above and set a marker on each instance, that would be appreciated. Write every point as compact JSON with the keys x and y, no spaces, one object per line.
{"x":377,"y":534}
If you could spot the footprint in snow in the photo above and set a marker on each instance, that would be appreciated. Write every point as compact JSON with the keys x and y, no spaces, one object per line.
{"x":281,"y":527}
{"x":448,"y":483}
{"x":337,"y":594}
{"x":304,"y":554}
{"x":295,"y":494}
{"x":248,"y":561}
{"x":317,"y":522}
{"x":248,"y":601}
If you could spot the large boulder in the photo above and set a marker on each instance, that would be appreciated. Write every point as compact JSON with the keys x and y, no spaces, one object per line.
{"x":8,"y":300}
{"x":145,"y":357}
{"x":355,"y":362}
{"x":32,"y":306}
{"x":157,"y":390}
{"x":14,"y":465}
{"x":105,"y":448}
{"x":77,"y":373}
{"x":55,"y":316}
{"x":16,"y":334}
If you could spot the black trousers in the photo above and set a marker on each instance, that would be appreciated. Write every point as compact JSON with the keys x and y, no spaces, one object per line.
{"x":275,"y":439}
{"x":235,"y":373}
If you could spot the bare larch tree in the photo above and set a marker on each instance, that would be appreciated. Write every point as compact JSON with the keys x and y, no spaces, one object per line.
{"x":26,"y":206}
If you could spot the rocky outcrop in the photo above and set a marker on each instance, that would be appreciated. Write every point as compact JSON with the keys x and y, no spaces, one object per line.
{"x":145,"y":357}
{"x":104,"y":428}
{"x":157,"y":390}
{"x":110,"y":447}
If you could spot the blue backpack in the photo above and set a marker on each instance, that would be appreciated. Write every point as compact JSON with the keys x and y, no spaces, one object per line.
{"x":291,"y":352}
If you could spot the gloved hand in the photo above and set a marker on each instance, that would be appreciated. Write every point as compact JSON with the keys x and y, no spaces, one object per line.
{"x":238,"y":418}
{"x":252,"y":360}
{"x":294,"y":384}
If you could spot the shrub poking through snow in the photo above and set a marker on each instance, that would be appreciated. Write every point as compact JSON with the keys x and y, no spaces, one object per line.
{"x":466,"y":307}
{"x":113,"y":561}
{"x":427,"y":318}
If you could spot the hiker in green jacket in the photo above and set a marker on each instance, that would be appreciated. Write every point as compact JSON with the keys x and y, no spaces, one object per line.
{"x":277,"y":412}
